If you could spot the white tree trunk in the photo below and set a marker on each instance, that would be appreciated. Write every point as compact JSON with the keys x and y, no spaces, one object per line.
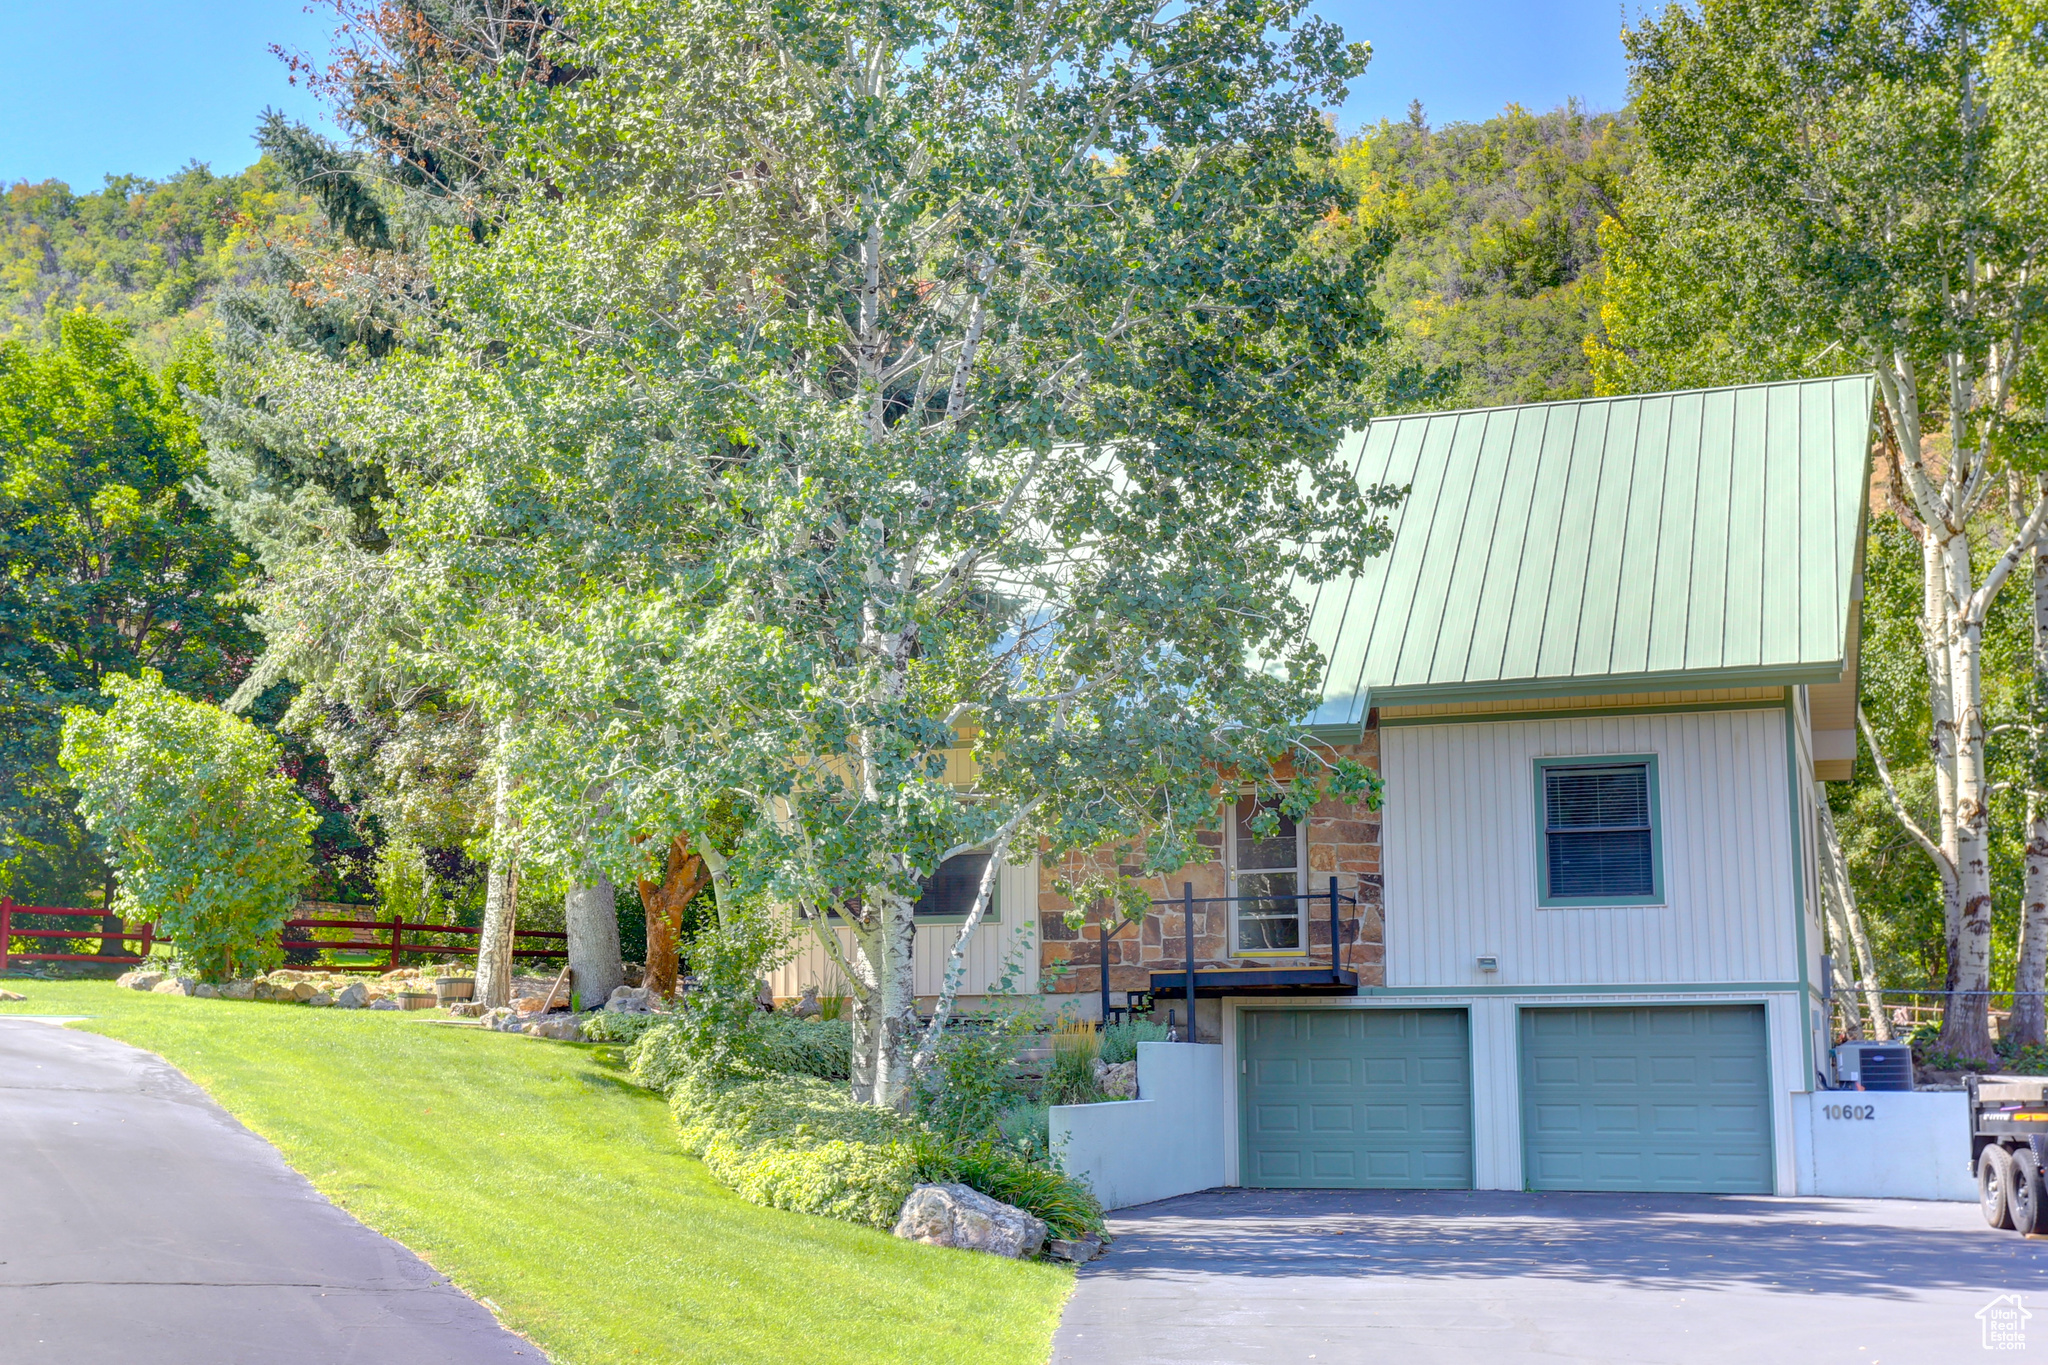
{"x":1965,"y":1024}
{"x":494,"y":958}
{"x":2030,"y":975}
{"x":896,"y":1042}
{"x":592,"y":915}
{"x":1850,"y":929}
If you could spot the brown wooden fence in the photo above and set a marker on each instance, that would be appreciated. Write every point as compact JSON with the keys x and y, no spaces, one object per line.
{"x":388,"y":938}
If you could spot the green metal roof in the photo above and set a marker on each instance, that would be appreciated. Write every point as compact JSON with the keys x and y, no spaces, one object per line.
{"x":1699,"y":539}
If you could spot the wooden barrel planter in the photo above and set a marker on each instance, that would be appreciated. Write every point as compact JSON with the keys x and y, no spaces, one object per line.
{"x":453,"y":990}
{"x":416,"y":1000}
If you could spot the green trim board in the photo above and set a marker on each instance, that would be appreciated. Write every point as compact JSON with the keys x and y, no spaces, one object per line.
{"x":1642,"y":543}
{"x":1598,"y":764}
{"x":1732,"y":988}
{"x":1582,"y":712}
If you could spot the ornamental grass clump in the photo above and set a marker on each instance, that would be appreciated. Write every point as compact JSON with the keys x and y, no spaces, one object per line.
{"x":208,"y":838}
{"x":1070,"y":1078}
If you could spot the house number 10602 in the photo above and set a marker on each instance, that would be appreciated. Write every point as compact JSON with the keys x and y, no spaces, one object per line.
{"x":1849,"y":1111}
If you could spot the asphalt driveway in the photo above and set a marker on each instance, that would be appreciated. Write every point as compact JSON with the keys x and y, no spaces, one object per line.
{"x":1246,"y":1277}
{"x":140,"y":1222}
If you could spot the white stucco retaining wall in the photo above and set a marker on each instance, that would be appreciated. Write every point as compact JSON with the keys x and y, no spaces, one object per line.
{"x":1168,"y":1141}
{"x":1878,"y":1144}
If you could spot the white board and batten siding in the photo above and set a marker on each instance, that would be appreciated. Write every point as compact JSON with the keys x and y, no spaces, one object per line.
{"x":1005,"y":947}
{"x":1463,"y":845}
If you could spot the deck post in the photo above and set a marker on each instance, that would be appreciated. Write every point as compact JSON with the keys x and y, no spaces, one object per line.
{"x":1102,"y":929}
{"x":1187,"y":905}
{"x":1336,"y":958}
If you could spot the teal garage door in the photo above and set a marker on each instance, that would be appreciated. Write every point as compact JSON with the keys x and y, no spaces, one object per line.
{"x":1665,"y":1097}
{"x":1356,"y":1099}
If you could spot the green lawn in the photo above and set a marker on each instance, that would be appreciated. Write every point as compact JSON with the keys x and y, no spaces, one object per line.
{"x":537,"y":1177}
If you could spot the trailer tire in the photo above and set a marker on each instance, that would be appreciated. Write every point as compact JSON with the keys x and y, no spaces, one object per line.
{"x":2024,"y":1196}
{"x":1994,"y":1182}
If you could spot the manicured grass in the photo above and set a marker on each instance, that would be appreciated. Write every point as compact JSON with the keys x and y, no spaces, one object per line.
{"x":536,"y":1176}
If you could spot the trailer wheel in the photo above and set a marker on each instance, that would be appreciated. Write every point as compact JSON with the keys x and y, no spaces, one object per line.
{"x":2024,"y":1195}
{"x":1994,"y":1180}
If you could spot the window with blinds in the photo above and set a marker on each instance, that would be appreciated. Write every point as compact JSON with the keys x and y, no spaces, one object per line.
{"x":1600,"y":833}
{"x":949,"y":892}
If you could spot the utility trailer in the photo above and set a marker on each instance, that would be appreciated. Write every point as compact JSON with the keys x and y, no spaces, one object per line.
{"x":2008,"y":1148}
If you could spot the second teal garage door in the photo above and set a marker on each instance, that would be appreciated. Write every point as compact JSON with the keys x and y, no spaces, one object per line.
{"x":1661,"y":1097}
{"x":1356,"y":1099}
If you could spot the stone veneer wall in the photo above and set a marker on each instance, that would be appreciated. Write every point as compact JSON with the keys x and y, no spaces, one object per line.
{"x":1343,"y":839}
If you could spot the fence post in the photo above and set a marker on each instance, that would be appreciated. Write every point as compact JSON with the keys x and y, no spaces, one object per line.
{"x":6,"y":927}
{"x":397,"y":932}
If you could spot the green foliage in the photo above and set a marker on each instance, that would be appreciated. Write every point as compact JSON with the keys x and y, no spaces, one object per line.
{"x":798,"y":1143}
{"x":617,"y":1026}
{"x":1120,"y":1041}
{"x":972,"y":1079}
{"x":1070,"y":1076}
{"x":206,"y":837}
{"x":1028,"y":1128}
{"x":147,"y":255}
{"x":1496,"y":276}
{"x":1036,"y":1186}
{"x":755,"y":1043}
{"x":106,"y":565}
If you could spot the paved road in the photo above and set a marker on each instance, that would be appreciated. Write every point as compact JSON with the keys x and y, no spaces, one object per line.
{"x":139,"y":1222}
{"x":1246,"y":1277}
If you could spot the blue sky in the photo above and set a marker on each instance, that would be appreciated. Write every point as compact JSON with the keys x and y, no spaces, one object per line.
{"x":99,"y":86}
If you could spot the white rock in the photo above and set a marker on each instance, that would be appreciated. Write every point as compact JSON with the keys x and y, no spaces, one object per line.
{"x":385,"y":1004}
{"x":563,"y":1028}
{"x":956,"y":1216}
{"x":320,"y":1000}
{"x":175,"y":985}
{"x":206,"y":991}
{"x":633,"y":1000}
{"x":354,"y":996}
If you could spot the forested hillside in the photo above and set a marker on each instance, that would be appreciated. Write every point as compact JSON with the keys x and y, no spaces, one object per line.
{"x":149,"y":254}
{"x":1496,"y":272}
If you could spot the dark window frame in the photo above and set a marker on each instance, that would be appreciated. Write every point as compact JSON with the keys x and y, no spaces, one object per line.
{"x":995,"y":897}
{"x":1596,"y":763}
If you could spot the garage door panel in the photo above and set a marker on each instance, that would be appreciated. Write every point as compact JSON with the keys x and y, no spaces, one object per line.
{"x":1666,"y":1097}
{"x":1369,"y":1098}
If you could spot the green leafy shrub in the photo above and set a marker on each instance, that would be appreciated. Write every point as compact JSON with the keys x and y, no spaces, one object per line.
{"x":739,"y":1045}
{"x":1120,"y":1041}
{"x":613,"y":1026}
{"x":799,"y":1143}
{"x":207,"y":836}
{"x":972,"y":1079}
{"x":1027,"y":1128}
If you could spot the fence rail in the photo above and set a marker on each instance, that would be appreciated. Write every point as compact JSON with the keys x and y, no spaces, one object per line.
{"x":385,"y":936}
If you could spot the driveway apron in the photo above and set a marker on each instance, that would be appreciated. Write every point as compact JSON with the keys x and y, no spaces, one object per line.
{"x":1248,"y":1277}
{"x":139,"y":1222}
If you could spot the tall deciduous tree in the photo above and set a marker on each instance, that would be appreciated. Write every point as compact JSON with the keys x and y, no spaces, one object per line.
{"x":1853,"y":178}
{"x":107,"y":565}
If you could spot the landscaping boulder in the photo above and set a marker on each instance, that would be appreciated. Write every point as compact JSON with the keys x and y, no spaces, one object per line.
{"x":206,"y":991}
{"x":238,"y":990}
{"x":303,"y":990}
{"x":807,"y":1007}
{"x":966,"y":1219}
{"x":174,"y":985}
{"x":1079,"y":1251}
{"x":385,"y":1004}
{"x":1119,"y":1080}
{"x":354,"y":996}
{"x":320,"y":1000}
{"x":503,"y":1019}
{"x":633,"y":1000}
{"x":530,"y":1004}
{"x":138,"y":981}
{"x":563,"y":1028}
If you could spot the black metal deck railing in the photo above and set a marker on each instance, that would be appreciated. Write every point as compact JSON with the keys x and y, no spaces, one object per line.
{"x":1304,"y":979}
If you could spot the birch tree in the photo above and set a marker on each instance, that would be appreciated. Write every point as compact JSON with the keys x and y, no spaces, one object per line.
{"x":1858,"y":183}
{"x":917,"y":419}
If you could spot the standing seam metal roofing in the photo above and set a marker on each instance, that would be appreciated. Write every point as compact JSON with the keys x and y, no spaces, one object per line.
{"x":1697,"y":539}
